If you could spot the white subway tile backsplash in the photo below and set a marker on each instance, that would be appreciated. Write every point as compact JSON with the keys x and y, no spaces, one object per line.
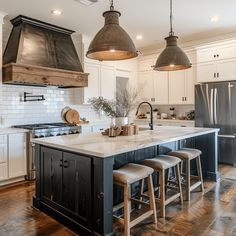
{"x":14,"y":111}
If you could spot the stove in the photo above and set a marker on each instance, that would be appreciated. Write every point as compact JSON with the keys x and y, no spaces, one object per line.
{"x":41,"y":131}
{"x":50,"y":129}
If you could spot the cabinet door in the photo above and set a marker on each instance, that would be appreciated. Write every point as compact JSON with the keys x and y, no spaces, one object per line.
{"x":3,"y":171}
{"x":93,"y":89}
{"x":206,"y":72}
{"x":189,"y":85}
{"x":51,"y":176}
{"x":145,"y":86}
{"x":176,"y":87}
{"x":161,"y":87}
{"x":206,"y":55}
{"x":108,"y":82}
{"x":3,"y":153}
{"x":77,"y":186}
{"x":227,"y":52}
{"x":226,"y":69}
{"x":17,"y":155}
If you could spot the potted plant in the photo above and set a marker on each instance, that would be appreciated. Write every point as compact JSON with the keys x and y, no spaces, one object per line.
{"x":118,"y":109}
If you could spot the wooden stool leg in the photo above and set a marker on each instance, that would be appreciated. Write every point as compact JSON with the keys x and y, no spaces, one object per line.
{"x":179,"y":183}
{"x":152,"y":198}
{"x":127,"y":203}
{"x":141,"y":186}
{"x":187,"y":166}
{"x":162,"y":192}
{"x":199,"y":173}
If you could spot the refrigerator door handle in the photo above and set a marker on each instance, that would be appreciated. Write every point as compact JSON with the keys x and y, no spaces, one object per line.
{"x":211,"y":107}
{"x":215,"y":103}
{"x":227,"y":136}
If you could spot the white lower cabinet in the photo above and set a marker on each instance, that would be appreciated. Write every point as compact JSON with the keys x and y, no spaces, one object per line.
{"x":3,"y":171}
{"x":17,"y":155}
{"x":12,"y":156}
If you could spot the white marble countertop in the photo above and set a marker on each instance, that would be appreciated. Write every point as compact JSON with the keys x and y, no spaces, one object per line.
{"x":12,"y":131}
{"x":102,"y":146}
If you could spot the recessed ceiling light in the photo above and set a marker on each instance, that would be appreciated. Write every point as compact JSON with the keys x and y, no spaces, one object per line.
{"x":56,"y":12}
{"x":214,"y":18}
{"x":139,"y":37}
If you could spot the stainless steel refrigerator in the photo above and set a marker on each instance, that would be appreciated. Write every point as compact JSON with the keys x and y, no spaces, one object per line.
{"x":215,"y":106}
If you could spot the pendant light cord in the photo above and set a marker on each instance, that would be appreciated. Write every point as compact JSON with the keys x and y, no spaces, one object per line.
{"x":171,"y":19}
{"x":111,"y":5}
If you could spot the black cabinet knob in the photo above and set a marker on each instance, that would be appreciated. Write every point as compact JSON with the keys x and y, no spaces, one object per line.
{"x":100,"y":195}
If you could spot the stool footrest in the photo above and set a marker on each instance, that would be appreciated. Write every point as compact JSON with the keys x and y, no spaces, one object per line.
{"x":141,"y":218}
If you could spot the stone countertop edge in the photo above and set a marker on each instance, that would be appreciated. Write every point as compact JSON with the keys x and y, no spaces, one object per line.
{"x":102,"y":146}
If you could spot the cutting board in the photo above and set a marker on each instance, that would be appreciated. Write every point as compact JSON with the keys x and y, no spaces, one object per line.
{"x":72,"y":116}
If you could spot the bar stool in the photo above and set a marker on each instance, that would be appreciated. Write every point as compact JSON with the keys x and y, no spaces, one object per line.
{"x":125,"y":176}
{"x":187,"y":155}
{"x":161,"y":164}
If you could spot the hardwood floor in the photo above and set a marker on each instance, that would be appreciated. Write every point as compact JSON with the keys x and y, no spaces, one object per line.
{"x":213,"y":214}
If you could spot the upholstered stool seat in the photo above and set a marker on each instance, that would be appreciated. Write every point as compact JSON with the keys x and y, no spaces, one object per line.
{"x":187,"y":155}
{"x":124,"y":177}
{"x":131,"y":173}
{"x":161,"y":164}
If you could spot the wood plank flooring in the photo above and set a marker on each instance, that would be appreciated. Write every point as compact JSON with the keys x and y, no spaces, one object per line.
{"x":213,"y":214}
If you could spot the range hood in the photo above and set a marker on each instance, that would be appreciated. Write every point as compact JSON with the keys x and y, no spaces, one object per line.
{"x":41,"y":54}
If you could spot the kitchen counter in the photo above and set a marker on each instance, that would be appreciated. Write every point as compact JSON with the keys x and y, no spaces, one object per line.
{"x":12,"y":131}
{"x":102,"y":146}
{"x":77,"y":170}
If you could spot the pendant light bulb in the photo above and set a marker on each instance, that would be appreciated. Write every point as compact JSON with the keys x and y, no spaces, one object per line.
{"x":172,"y":57}
{"x":112,"y":42}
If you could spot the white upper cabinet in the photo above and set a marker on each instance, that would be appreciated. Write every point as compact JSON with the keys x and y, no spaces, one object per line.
{"x":181,"y":86}
{"x":216,"y":63}
{"x":161,"y":87}
{"x":145,"y":86}
{"x":153,"y":87}
{"x":101,"y":81}
{"x":108,"y":82}
{"x":17,"y":155}
{"x":93,"y":89}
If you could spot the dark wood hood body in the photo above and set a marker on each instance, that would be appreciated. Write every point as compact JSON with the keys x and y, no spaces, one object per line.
{"x":38,"y":53}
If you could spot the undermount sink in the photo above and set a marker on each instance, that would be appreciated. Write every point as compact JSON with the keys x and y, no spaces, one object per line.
{"x":144,"y":128}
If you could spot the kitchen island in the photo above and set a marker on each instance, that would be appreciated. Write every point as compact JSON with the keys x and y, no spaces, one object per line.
{"x":74,"y":181}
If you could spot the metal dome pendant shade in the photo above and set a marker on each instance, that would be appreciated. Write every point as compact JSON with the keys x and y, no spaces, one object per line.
{"x":172,"y":57}
{"x":112,"y":42}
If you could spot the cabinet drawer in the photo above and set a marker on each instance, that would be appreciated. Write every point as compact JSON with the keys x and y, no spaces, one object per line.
{"x":3,"y":139}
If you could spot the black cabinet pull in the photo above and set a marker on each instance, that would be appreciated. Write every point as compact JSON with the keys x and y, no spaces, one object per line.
{"x":66,"y":164}
{"x":61,"y":163}
{"x":214,"y":75}
{"x":218,"y":75}
{"x":217,"y":55}
{"x":214,"y":55}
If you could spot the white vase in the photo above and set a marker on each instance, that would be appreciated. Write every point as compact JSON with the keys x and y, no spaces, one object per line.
{"x":120,"y":121}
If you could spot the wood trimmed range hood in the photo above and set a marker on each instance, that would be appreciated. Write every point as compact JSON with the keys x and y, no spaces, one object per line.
{"x":41,"y":54}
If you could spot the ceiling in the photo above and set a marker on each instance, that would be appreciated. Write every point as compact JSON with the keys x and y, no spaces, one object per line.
{"x":191,"y":17}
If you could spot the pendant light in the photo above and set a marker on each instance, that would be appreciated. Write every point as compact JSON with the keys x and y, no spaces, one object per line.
{"x":172,"y":57}
{"x":111,"y":42}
